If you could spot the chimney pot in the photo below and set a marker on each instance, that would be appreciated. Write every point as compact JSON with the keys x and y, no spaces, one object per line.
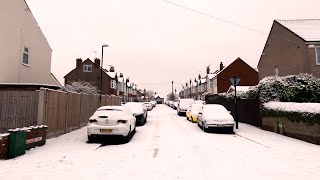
{"x":111,"y":69}
{"x":221,"y":66}
{"x":208,"y":70}
{"x":78,"y":63}
{"x":96,"y":63}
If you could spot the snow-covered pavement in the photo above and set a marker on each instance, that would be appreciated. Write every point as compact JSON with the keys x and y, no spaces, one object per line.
{"x":170,"y":147}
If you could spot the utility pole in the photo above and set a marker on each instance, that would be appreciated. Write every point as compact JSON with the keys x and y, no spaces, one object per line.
{"x":172,"y":93}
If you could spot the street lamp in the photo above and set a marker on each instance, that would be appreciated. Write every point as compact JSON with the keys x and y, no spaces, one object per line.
{"x":101,"y":69}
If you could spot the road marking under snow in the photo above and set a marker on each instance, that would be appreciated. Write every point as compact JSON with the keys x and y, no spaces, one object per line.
{"x":252,"y":140}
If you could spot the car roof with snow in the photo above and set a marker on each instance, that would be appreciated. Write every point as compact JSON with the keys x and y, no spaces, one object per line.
{"x":120,"y":108}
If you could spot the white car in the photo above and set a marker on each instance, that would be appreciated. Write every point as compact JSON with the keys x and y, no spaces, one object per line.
{"x":215,"y":116}
{"x":199,"y":102}
{"x":175,"y":105}
{"x":183,"y":105}
{"x":154,"y":103}
{"x":111,"y":121}
{"x":138,"y":110}
{"x":149,"y":105}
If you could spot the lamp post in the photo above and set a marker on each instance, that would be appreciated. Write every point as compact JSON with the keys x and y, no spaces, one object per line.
{"x":101,"y":69}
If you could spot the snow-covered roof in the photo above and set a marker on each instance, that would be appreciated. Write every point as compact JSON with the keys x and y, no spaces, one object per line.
{"x":112,"y":74}
{"x":194,"y":84}
{"x":203,"y":81}
{"x":211,"y":76}
{"x":307,"y":29}
{"x":239,"y":89}
{"x":121,"y":79}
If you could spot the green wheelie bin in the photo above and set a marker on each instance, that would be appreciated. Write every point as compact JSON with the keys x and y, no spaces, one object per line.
{"x":17,"y":143}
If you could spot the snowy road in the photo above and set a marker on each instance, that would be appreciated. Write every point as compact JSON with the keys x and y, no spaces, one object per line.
{"x":170,"y":147}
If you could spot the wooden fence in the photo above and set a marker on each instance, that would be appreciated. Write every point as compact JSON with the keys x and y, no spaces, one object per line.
{"x":61,"y":111}
{"x":248,"y":109}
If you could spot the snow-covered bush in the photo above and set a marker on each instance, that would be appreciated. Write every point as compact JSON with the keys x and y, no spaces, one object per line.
{"x":296,"y":112}
{"x":293,"y":88}
{"x":80,"y":87}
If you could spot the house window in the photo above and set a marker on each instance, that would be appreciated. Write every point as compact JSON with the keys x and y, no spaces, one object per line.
{"x":276,"y":71}
{"x":25,"y":59}
{"x":318,"y":55}
{"x":113,"y":84}
{"x":87,"y":68}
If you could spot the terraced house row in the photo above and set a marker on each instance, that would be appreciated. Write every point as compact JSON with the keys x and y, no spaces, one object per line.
{"x":113,"y":83}
{"x":218,"y":81}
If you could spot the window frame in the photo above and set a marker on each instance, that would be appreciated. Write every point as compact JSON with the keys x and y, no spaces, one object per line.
{"x":317,"y":55}
{"x":276,"y":71}
{"x":113,"y":84}
{"x":86,"y":67}
{"x":27,"y":53}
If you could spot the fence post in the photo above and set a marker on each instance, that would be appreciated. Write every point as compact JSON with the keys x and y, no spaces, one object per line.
{"x":42,"y":105}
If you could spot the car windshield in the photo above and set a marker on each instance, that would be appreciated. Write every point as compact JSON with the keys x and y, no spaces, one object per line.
{"x":214,"y":109}
{"x":109,"y":110}
{"x":186,"y":101}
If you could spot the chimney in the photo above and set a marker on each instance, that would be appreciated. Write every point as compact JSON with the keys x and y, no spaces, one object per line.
{"x":96,"y":63}
{"x":121,"y":75}
{"x":111,"y":69}
{"x":199,"y":76}
{"x":221,"y":66}
{"x":127,"y":80}
{"x":79,"y":63}
{"x":208,"y":70}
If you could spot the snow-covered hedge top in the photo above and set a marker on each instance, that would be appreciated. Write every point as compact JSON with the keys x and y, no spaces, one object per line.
{"x":313,"y":108}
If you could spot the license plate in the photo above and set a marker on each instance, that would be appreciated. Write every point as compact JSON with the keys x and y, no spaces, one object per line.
{"x":106,"y":130}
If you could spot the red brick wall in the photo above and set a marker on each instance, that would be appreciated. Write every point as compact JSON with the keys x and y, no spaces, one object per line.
{"x":248,"y":76}
{"x":285,"y":50}
{"x":91,"y":77}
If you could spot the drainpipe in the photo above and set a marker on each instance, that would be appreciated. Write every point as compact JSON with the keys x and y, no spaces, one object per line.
{"x":308,"y":61}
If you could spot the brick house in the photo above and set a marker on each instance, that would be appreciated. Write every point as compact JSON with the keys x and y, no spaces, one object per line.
{"x":221,"y":80}
{"x":89,"y":71}
{"x":293,"y":47}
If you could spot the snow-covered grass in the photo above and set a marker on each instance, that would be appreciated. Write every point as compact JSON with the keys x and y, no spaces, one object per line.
{"x":293,"y":107}
{"x":169,"y":147}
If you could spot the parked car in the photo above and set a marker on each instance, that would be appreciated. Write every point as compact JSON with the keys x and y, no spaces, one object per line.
{"x":138,"y":110}
{"x":175,"y":105}
{"x":199,"y":102}
{"x":171,"y":104}
{"x":215,"y":116}
{"x":148,"y":105}
{"x":193,"y":112}
{"x":111,"y":121}
{"x":154,"y":103}
{"x":183,"y":105}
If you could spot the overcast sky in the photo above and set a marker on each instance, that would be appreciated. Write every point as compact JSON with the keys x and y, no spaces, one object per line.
{"x":154,"y":42}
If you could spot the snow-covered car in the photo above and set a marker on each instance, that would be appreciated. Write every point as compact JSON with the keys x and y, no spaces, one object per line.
{"x":148,"y":105}
{"x":183,"y":105}
{"x":175,"y":105}
{"x":111,"y":121}
{"x":199,"y":102}
{"x":138,"y":110}
{"x":171,"y":104}
{"x":213,"y":116}
{"x":154,"y":103}
{"x":193,"y":112}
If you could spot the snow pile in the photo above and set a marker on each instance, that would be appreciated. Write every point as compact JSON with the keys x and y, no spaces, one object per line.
{"x":313,"y":108}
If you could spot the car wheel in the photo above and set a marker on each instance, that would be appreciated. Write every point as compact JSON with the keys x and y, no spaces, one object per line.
{"x":128,"y":137}
{"x":204,"y":127}
{"x":91,"y":138}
